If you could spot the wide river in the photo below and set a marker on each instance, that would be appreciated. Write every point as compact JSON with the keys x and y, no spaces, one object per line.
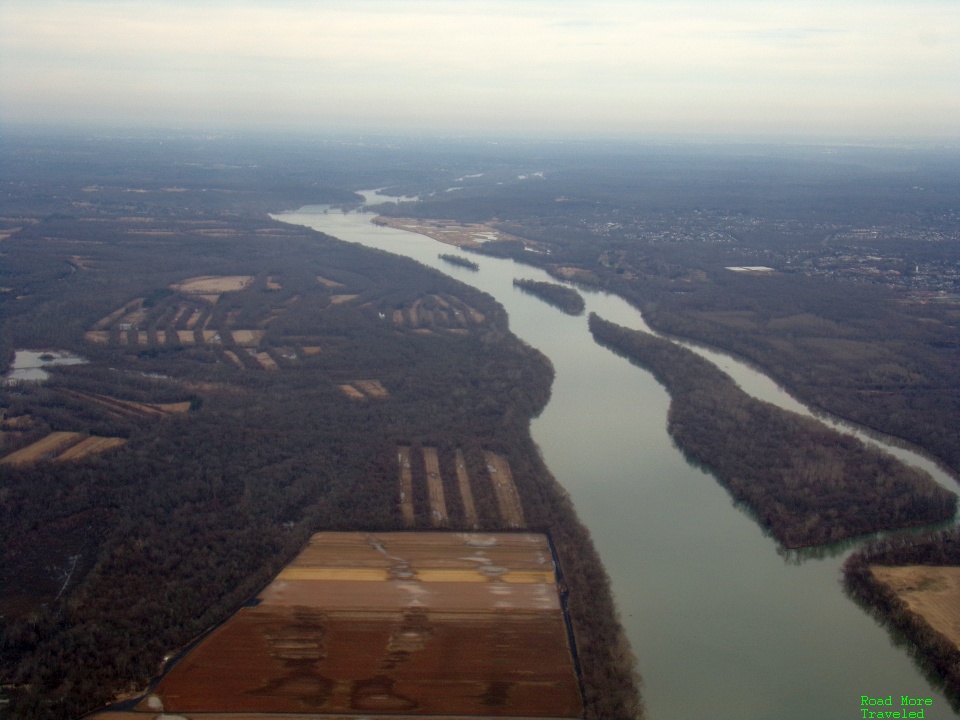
{"x":723,"y":626}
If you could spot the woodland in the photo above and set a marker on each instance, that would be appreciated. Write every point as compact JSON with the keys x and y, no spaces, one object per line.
{"x":111,"y":563}
{"x":567,"y":299}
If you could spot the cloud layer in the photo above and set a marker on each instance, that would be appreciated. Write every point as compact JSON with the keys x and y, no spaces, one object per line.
{"x":846,"y":67}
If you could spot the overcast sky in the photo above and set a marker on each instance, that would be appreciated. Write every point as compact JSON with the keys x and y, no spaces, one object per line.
{"x":627,"y":68}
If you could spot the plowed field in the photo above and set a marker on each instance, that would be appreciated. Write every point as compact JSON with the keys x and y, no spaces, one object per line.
{"x":393,"y":625}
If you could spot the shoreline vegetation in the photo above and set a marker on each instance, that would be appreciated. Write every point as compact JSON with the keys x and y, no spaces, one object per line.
{"x":933,"y":651}
{"x":566,"y":299}
{"x":807,"y":484}
{"x":459,"y":261}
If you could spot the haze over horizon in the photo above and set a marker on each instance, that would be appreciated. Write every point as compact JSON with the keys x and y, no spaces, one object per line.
{"x":845,"y":69}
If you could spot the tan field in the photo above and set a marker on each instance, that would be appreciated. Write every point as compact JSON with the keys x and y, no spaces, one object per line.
{"x":142,"y":338}
{"x":194,"y":319}
{"x":406,"y":485}
{"x":466,"y":494}
{"x":128,"y":407}
{"x":161,"y":336}
{"x":247,"y":338}
{"x":332,"y":284}
{"x":310,"y":350}
{"x":508,"y":500}
{"x":211,"y":337}
{"x":213,"y":284}
{"x":351,"y":392}
{"x":449,"y":231}
{"x":341,"y":299}
{"x":43,"y":449}
{"x":272,"y":284}
{"x":933,"y":592}
{"x":232,"y":357}
{"x":100,"y":337}
{"x":264,"y":360}
{"x":186,"y":337}
{"x":117,"y":314}
{"x":372,"y":388}
{"x":438,"y":503}
{"x":89,"y":446}
{"x":387,"y":625}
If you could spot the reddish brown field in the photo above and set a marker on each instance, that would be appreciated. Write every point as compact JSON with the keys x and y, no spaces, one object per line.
{"x":392,"y":625}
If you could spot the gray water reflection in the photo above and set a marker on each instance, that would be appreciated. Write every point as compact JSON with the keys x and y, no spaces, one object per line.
{"x":722,"y":626}
{"x":28,"y":365}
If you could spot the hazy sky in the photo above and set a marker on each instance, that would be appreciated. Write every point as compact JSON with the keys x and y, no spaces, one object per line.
{"x":854,"y":68}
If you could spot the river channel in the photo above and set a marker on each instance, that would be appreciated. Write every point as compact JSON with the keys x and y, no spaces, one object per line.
{"x":724,"y":627}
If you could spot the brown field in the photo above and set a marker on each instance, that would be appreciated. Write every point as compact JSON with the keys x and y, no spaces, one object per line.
{"x":332,"y":284}
{"x":211,"y":337}
{"x":43,"y":449}
{"x":142,"y":338}
{"x":213,"y":284}
{"x":466,"y":494}
{"x":89,"y":446}
{"x":508,"y":500}
{"x":406,"y":485}
{"x":272,"y":284}
{"x":932,"y":592}
{"x":392,"y":625}
{"x":436,"y":311}
{"x":373,"y":388}
{"x":341,"y":299}
{"x":186,"y":337}
{"x":351,"y":392}
{"x":310,"y":350}
{"x":438,"y":503}
{"x":161,"y":336}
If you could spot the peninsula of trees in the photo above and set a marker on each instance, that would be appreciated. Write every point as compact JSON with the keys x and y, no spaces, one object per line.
{"x":807,"y":484}
{"x":567,"y":299}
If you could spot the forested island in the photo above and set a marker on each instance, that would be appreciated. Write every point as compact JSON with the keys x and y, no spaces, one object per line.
{"x":924,"y":564}
{"x":807,"y":484}
{"x":295,"y":371}
{"x":567,"y":299}
{"x":458,"y":261}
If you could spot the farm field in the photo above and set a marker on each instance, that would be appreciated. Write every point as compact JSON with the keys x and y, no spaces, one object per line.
{"x":452,"y":232}
{"x":932,"y":592}
{"x":508,"y":499}
{"x":389,"y":624}
{"x":466,"y":494}
{"x":438,"y":504}
{"x":62,"y":446}
{"x":406,"y":485}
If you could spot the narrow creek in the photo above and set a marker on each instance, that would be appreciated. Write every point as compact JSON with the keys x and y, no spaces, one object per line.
{"x":723,"y":626}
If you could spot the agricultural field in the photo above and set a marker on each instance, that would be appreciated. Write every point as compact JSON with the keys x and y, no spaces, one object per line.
{"x":437,"y":311}
{"x":214,"y":284}
{"x":398,"y":624}
{"x":455,"y":233}
{"x":61,"y":447}
{"x":440,"y":499}
{"x":932,"y":592}
{"x":508,"y":499}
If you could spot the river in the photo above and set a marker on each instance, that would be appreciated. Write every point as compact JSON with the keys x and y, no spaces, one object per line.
{"x":723,"y":626}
